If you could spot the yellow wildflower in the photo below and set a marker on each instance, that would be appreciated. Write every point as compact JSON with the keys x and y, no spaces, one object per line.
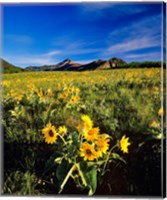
{"x":57,"y":101}
{"x":102,"y":144}
{"x":40,"y":93}
{"x":5,"y":83}
{"x":88,"y":124}
{"x":58,"y":86}
{"x":85,"y":125}
{"x":92,"y":134}
{"x":72,"y":100}
{"x":88,"y":152}
{"x":160,"y":112}
{"x":77,"y":90}
{"x":65,"y":86}
{"x":154,"y":124}
{"x":65,"y":94}
{"x":49,"y":133}
{"x":70,"y":90}
{"x":49,"y":92}
{"x":77,"y":98}
{"x":62,"y":130}
{"x":81,"y":129}
{"x":18,"y":97}
{"x":124,"y":143}
{"x":64,"y":100}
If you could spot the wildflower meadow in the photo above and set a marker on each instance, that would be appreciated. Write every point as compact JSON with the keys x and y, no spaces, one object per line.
{"x":87,"y":133}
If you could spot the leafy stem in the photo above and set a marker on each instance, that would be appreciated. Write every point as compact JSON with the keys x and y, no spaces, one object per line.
{"x":48,"y":110}
{"x":62,"y":139}
{"x":66,"y":178}
{"x":108,"y":157}
{"x":81,"y":175}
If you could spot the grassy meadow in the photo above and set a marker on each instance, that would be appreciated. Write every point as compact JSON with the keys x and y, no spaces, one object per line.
{"x":119,"y":102}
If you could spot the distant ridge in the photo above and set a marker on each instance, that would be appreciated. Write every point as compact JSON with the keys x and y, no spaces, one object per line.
{"x":7,"y":67}
{"x":69,"y":65}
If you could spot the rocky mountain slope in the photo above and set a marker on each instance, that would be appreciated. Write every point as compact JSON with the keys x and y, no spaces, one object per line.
{"x":69,"y":65}
{"x":7,"y":67}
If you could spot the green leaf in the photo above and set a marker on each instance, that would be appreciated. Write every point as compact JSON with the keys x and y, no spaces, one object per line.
{"x":92,"y":180}
{"x":63,"y":177}
{"x":75,"y":137}
{"x":50,"y":163}
{"x":53,"y":112}
{"x":62,"y":170}
{"x":90,"y":175}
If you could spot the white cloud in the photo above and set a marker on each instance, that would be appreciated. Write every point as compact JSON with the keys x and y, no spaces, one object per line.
{"x":52,"y":53}
{"x":29,"y":60}
{"x":147,"y":56}
{"x":138,"y":35}
{"x":97,"y":10}
{"x":82,"y":51}
{"x":150,"y":26}
{"x":75,"y":47}
{"x":102,"y":9}
{"x":134,"y":44}
{"x":34,"y":59}
{"x":119,"y":8}
{"x":95,"y":6}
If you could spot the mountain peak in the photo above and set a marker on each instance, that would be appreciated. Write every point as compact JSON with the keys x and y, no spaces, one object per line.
{"x":67,"y":60}
{"x":69,"y":65}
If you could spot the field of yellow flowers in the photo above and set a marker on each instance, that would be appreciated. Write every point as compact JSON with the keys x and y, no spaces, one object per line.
{"x":93,"y":132}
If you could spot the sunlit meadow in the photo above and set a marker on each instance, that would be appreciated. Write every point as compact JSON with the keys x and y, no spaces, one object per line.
{"x":93,"y":132}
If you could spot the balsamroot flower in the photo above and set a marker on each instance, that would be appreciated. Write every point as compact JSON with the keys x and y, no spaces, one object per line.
{"x":85,"y":125}
{"x":49,"y":133}
{"x":40,"y":94}
{"x":160,"y":112}
{"x":87,"y":122}
{"x":49,"y":92}
{"x":102,"y":145}
{"x":88,"y":152}
{"x":124,"y":143}
{"x":62,"y":130}
{"x":154,"y":124}
{"x":91,"y":134}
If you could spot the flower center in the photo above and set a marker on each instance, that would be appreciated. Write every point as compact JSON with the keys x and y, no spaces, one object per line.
{"x":91,"y":132}
{"x":51,"y":134}
{"x":88,"y":152}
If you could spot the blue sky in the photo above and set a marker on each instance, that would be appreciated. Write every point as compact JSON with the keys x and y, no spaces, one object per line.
{"x":38,"y":34}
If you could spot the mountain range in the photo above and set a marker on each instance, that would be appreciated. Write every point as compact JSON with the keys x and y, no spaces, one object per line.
{"x":69,"y":65}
